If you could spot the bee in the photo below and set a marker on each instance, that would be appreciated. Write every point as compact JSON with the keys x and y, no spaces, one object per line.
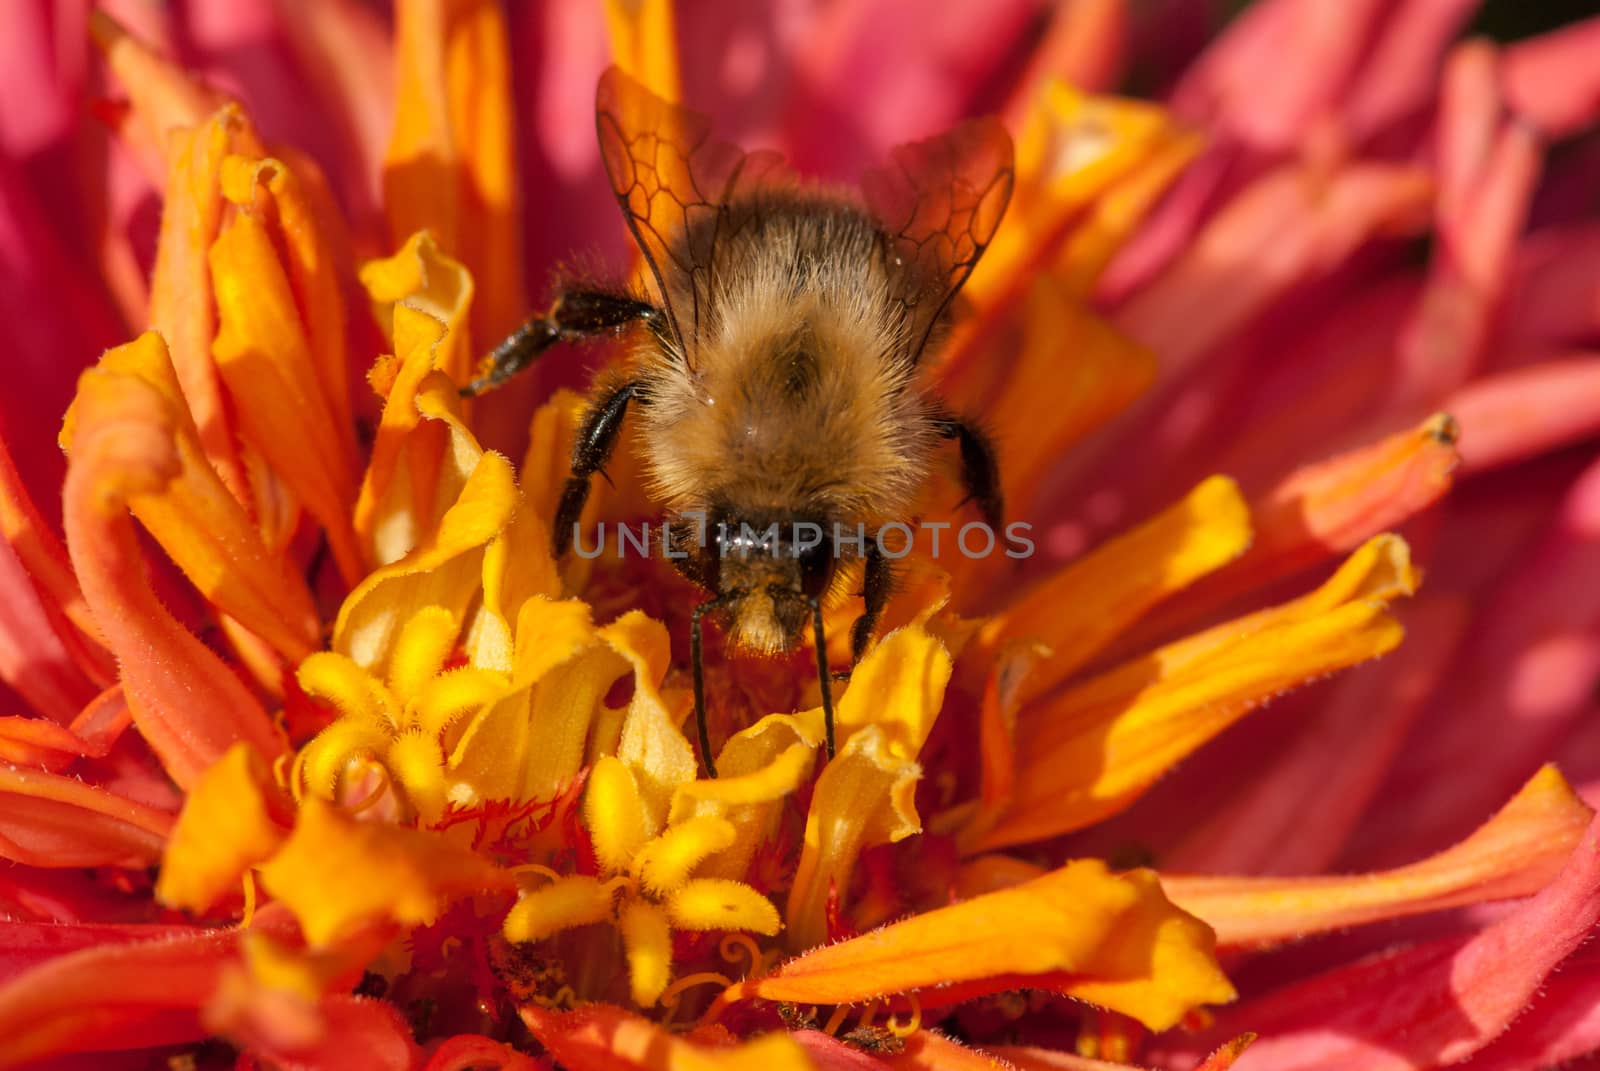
{"x":774,"y":364}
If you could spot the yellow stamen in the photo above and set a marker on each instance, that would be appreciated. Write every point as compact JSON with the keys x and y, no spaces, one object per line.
{"x":425,"y":642}
{"x":663,"y":864}
{"x":647,"y":937}
{"x":574,"y":900}
{"x":904,"y":1028}
{"x":613,"y":813}
{"x":720,"y":904}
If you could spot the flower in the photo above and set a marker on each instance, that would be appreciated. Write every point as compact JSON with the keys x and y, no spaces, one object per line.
{"x":326,"y":754}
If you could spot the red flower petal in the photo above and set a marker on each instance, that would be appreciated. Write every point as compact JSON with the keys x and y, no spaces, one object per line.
{"x":118,"y":995}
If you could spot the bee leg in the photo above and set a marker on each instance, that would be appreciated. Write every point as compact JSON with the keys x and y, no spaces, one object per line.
{"x":979,"y":471}
{"x":876,"y":584}
{"x":576,"y":314}
{"x":597,"y":437}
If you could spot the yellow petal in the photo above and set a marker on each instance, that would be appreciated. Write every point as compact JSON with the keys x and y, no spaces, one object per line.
{"x":533,"y":741}
{"x":1089,"y":603}
{"x":442,"y":571}
{"x":613,"y":814}
{"x":338,"y":874}
{"x":651,"y":743}
{"x":234,"y":817}
{"x":452,"y":696}
{"x":323,"y":764}
{"x":417,"y":467}
{"x":335,"y":679}
{"x":664,"y":864}
{"x":516,"y":566}
{"x":865,"y":796}
{"x":647,"y":937}
{"x":1113,"y":939}
{"x":898,"y":687}
{"x":720,"y":904}
{"x":1515,"y":853}
{"x":575,"y":900}
{"x":1093,"y":750}
{"x":757,"y":767}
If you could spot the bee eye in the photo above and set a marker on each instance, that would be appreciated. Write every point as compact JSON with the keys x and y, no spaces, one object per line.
{"x":816,"y":568}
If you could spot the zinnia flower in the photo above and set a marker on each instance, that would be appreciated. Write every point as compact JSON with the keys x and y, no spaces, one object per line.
{"x":322,"y":760}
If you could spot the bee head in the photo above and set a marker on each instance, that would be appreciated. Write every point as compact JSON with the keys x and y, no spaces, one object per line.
{"x":772,"y":571}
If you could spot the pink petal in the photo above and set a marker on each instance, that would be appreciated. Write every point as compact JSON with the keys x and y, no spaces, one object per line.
{"x":33,"y":659}
{"x":1401,"y":75}
{"x":1307,"y":53}
{"x":1510,"y":417}
{"x":1429,"y":1004}
{"x":1528,"y":670}
{"x":1553,"y":81}
{"x":1296,"y":814}
{"x":1555,"y":290}
{"x":1562,"y":1024}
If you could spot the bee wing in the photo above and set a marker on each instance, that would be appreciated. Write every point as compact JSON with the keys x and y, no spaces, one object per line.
{"x":940,"y":202}
{"x":674,"y":183}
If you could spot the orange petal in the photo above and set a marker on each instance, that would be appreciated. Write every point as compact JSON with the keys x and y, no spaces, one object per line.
{"x":163,"y":94}
{"x":338,"y":874}
{"x":195,"y":518}
{"x":266,"y":362}
{"x":1323,"y":509}
{"x":1110,"y":939}
{"x":602,"y":1037}
{"x":127,"y":443}
{"x":1516,"y":853}
{"x":1071,"y":149}
{"x":234,"y":817}
{"x":286,"y":203}
{"x":644,"y":43}
{"x":181,"y":304}
{"x":1081,"y":609}
{"x":451,"y":163}
{"x":52,"y":821}
{"x":1093,"y":750}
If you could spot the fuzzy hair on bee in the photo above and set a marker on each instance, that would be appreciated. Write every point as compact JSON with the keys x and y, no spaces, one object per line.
{"x":774,"y":360}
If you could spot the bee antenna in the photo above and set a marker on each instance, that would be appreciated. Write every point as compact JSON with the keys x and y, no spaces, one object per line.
{"x":824,"y":678}
{"x":697,"y":672}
